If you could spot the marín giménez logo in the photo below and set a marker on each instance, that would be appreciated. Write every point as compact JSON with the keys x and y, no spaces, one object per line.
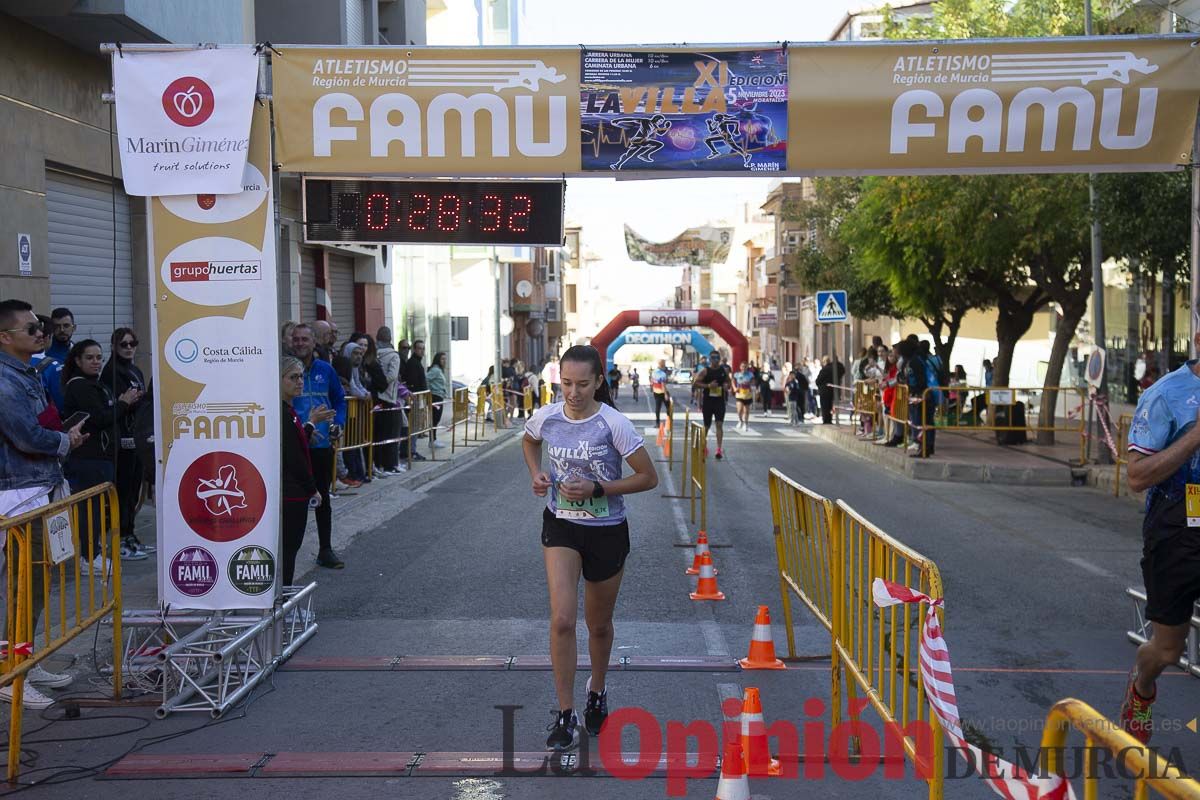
{"x":188,"y":101}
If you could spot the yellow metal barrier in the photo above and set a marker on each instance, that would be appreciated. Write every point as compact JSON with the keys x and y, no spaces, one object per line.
{"x":460,"y":417}
{"x":499,"y":408}
{"x":669,"y":435}
{"x":420,"y":422}
{"x":698,"y":477}
{"x":1122,"y":459}
{"x":82,"y":600}
{"x":1151,"y":770}
{"x":546,"y":396}
{"x":358,"y":433}
{"x":527,"y":400}
{"x":803,"y":549}
{"x":1007,"y":397}
{"x":877,"y":649}
{"x":481,"y":401}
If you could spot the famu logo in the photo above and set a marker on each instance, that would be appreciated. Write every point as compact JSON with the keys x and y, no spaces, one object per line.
{"x":214,"y":421}
{"x":252,"y":570}
{"x":210,"y":271}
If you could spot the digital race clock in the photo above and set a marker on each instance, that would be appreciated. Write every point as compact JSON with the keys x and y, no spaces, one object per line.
{"x":433,"y":212}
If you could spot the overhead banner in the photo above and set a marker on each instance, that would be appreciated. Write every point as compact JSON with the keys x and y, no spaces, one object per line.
{"x":681,"y":111}
{"x":183,"y":119}
{"x":699,"y":247}
{"x":216,"y":385}
{"x":1033,"y":105}
{"x":427,"y":111}
{"x":1112,"y":103}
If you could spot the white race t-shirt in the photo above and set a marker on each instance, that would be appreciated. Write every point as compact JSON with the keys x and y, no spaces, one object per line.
{"x":591,"y":449}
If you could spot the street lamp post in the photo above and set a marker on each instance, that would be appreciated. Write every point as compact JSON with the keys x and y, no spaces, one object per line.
{"x":1098,"y":336}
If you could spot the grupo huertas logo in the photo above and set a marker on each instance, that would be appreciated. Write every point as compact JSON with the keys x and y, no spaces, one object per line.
{"x":212,"y":249}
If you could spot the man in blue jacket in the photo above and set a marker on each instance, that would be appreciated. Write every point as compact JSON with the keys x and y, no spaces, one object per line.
{"x":62,"y":326}
{"x":322,"y":387}
{"x":31,"y":473}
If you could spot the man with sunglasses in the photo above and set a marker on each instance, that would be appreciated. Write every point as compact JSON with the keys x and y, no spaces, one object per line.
{"x":62,"y":329}
{"x":31,"y":473}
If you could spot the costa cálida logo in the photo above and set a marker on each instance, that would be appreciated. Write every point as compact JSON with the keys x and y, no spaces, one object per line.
{"x":222,"y":496}
{"x":188,"y":101}
{"x":192,"y":271}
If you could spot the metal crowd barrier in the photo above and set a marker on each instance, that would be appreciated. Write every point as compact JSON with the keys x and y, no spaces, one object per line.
{"x":420,"y":422}
{"x":844,"y":398}
{"x":359,"y":432}
{"x":499,"y":408}
{"x":1151,"y":770}
{"x":1006,"y":397}
{"x":481,"y":404}
{"x":82,"y":600}
{"x":877,"y":649}
{"x":1122,"y":458}
{"x":802,"y":547}
{"x":460,"y":417}
{"x":698,"y":477}
{"x":1190,"y":660}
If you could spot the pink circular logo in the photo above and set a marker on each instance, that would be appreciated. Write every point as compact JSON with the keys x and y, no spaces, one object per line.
{"x":188,"y":101}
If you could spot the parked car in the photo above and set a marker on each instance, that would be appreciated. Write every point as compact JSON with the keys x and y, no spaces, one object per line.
{"x":681,"y":376}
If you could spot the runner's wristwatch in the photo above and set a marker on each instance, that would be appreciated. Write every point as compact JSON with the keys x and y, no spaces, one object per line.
{"x":598,"y":489}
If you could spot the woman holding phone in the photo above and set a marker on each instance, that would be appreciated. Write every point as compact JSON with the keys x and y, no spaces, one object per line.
{"x":298,"y":485}
{"x":584,"y":526}
{"x":91,"y":464}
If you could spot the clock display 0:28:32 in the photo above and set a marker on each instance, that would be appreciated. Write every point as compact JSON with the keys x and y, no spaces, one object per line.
{"x":481,"y":212}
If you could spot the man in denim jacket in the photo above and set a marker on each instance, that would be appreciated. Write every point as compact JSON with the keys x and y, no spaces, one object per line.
{"x":31,"y":473}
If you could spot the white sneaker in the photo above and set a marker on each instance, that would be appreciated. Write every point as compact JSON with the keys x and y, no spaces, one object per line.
{"x":914,"y":448}
{"x":439,"y":445}
{"x":132,"y":554}
{"x":51,"y":680}
{"x":379,"y":473}
{"x":31,"y":698}
{"x":400,"y":469}
{"x":98,"y":566}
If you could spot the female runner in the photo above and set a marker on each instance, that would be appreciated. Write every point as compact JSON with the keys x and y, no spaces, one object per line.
{"x":584,"y":530}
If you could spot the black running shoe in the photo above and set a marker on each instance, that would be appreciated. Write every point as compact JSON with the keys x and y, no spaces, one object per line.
{"x":564,"y":731}
{"x":329,"y":559}
{"x":596,"y":711}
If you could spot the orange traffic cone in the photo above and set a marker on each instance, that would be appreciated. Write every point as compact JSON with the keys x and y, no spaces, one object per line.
{"x":754,"y":737}
{"x":661,"y":431}
{"x":733,"y":784}
{"x":706,"y":589}
{"x":762,"y":645}
{"x":700,"y":547}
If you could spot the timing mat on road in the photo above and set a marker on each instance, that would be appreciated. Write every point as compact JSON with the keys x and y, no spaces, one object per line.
{"x":504,"y":663}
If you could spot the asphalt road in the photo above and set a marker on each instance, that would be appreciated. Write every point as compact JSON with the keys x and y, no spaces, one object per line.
{"x":1035,"y":612}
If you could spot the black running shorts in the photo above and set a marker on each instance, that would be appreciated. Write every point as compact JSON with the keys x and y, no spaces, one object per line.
{"x":1170,"y":563}
{"x":713,"y":408}
{"x":603,"y":548}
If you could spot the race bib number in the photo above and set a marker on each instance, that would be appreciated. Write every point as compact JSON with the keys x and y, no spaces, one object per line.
{"x":591,"y":508}
{"x":1192,"y":505}
{"x":58,"y":536}
{"x":716,"y":391}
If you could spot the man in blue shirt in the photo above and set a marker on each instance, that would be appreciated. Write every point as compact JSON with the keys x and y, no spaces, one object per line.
{"x":62,"y":326}
{"x":1164,"y":457}
{"x":322,"y":388}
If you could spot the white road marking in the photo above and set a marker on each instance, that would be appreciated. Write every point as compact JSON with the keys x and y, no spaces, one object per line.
{"x":792,"y":433}
{"x":746,"y":432}
{"x":1088,"y":566}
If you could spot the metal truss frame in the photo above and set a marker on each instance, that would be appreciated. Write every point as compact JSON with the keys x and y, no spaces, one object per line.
{"x":211,"y":661}
{"x":1190,"y":660}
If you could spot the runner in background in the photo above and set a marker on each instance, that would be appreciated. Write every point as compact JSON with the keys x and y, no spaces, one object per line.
{"x":614,"y":383}
{"x":658,"y":387}
{"x":584,"y":529}
{"x":743,"y":383}
{"x":635,"y":381}
{"x":714,"y":381}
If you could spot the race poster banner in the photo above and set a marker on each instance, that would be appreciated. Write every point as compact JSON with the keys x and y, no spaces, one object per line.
{"x":216,"y":385}
{"x":183,"y":119}
{"x":427,"y":111}
{"x":1033,"y":105}
{"x":699,"y":247}
{"x":684,"y":111}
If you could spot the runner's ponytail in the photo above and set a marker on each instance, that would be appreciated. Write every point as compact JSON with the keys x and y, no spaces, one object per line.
{"x":586,"y":354}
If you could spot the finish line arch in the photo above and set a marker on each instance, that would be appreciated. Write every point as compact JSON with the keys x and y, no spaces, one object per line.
{"x":692,"y":338}
{"x":675,"y":318}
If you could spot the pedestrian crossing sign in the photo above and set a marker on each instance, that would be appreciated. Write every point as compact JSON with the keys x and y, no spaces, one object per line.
{"x":831,"y":306}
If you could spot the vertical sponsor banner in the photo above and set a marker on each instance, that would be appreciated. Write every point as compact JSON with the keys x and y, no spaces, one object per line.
{"x":216,"y":384}
{"x":680,"y":111}
{"x":427,"y":111}
{"x":1031,"y":105}
{"x":183,"y":119}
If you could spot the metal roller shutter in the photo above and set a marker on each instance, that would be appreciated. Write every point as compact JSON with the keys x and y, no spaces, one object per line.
{"x":341,"y":293}
{"x":308,"y":284}
{"x":355,"y":22}
{"x":80,"y":249}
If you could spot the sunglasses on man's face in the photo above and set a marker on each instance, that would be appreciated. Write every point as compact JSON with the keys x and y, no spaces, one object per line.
{"x":129,"y":343}
{"x":31,"y":329}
